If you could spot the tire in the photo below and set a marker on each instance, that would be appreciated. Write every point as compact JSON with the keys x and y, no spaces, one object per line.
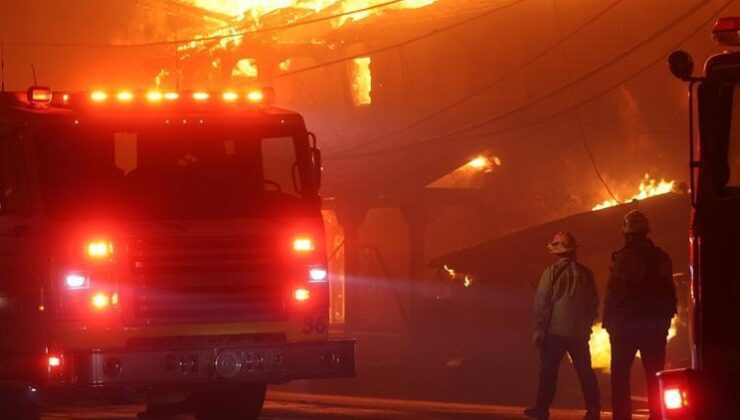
{"x":243,"y":402}
{"x":14,"y":404}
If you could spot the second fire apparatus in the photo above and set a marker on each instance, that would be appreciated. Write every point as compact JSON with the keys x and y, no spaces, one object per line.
{"x":159,"y":246}
{"x":709,"y":389}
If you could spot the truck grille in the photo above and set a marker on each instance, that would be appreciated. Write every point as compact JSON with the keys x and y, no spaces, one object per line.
{"x":205,"y":280}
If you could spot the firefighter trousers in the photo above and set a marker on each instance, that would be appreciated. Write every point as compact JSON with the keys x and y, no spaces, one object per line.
{"x":554,"y":348}
{"x":651,"y":345}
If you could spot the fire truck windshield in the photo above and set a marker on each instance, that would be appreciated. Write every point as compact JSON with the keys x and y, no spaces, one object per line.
{"x":168,"y":172}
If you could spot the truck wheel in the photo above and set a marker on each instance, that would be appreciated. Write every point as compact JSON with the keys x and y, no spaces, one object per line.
{"x":15,"y":405}
{"x":241,"y":403}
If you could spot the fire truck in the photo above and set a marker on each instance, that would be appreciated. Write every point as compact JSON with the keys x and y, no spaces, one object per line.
{"x":162,"y":247}
{"x":709,"y":389}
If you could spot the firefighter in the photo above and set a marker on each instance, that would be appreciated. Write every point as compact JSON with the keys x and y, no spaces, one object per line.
{"x":566,"y":305}
{"x":640,"y":302}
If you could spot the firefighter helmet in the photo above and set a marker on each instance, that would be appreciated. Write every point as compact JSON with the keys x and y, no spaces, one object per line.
{"x":562,"y":243}
{"x":635,"y":222}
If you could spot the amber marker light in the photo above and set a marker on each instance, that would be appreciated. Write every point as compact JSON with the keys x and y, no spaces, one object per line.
{"x":256,"y":96}
{"x":171,"y":96}
{"x":100,"y":300}
{"x":99,"y":249}
{"x":98,"y":96}
{"x":230,"y":96}
{"x":303,"y":245}
{"x":201,"y":96}
{"x":301,"y":294}
{"x":125,"y":96}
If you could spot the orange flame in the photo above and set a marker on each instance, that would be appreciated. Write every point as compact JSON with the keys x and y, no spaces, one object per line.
{"x":601,"y":349}
{"x":362,"y":81}
{"x":649,"y":187}
{"x":466,"y":279}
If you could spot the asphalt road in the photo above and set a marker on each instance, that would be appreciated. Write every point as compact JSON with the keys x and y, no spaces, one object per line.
{"x":288,"y":405}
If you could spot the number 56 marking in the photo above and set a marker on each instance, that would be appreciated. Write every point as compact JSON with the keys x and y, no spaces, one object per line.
{"x":315,"y":324}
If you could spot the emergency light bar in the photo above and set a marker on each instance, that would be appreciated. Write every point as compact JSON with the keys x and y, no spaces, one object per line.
{"x":263,"y":96}
{"x":727,"y":31}
{"x":38,"y":96}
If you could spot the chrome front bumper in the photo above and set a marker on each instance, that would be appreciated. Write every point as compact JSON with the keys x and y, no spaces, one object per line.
{"x":267,"y":363}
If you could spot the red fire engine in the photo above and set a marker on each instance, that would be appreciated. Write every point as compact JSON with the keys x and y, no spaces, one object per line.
{"x":159,"y":246}
{"x":709,"y":389}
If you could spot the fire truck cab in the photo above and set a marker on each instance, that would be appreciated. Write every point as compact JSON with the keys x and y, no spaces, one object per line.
{"x":164,"y":247}
{"x":710,"y":388}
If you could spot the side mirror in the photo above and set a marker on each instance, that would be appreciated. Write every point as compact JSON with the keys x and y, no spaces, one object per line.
{"x":316,"y":159}
{"x":681,"y":65}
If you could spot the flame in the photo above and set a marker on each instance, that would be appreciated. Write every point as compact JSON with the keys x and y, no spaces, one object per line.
{"x":484,"y":163}
{"x":163,"y":73}
{"x":649,"y":187}
{"x":469,"y":175}
{"x":601,"y":349}
{"x":466,"y":279}
{"x":362,"y":81}
{"x":246,"y":67}
{"x":285,"y":65}
{"x":253,"y":11}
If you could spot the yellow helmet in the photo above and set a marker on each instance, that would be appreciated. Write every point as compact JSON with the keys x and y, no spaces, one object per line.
{"x":635,"y":222}
{"x":562,"y":243}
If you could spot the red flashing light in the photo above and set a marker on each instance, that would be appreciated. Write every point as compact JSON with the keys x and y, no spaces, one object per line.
{"x":727,"y":31}
{"x":125,"y":96}
{"x":39,"y":95}
{"x":301,"y":294}
{"x":154,"y":96}
{"x":98,"y":96}
{"x":55,"y":361}
{"x":201,"y":96}
{"x":230,"y":96}
{"x":727,"y":24}
{"x":303,"y":245}
{"x":674,"y":399}
{"x":256,"y":96}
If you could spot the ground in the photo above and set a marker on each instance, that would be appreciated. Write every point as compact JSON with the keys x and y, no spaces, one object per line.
{"x":290,"y":405}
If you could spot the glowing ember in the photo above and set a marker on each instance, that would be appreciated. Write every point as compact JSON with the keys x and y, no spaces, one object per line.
{"x":601,"y":349}
{"x":361,"y":81}
{"x":649,"y":187}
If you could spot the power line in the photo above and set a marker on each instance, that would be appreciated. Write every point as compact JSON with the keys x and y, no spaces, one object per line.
{"x":579,"y":120}
{"x":202,"y":39}
{"x":448,"y":138}
{"x":480,"y":91}
{"x":562,"y":88}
